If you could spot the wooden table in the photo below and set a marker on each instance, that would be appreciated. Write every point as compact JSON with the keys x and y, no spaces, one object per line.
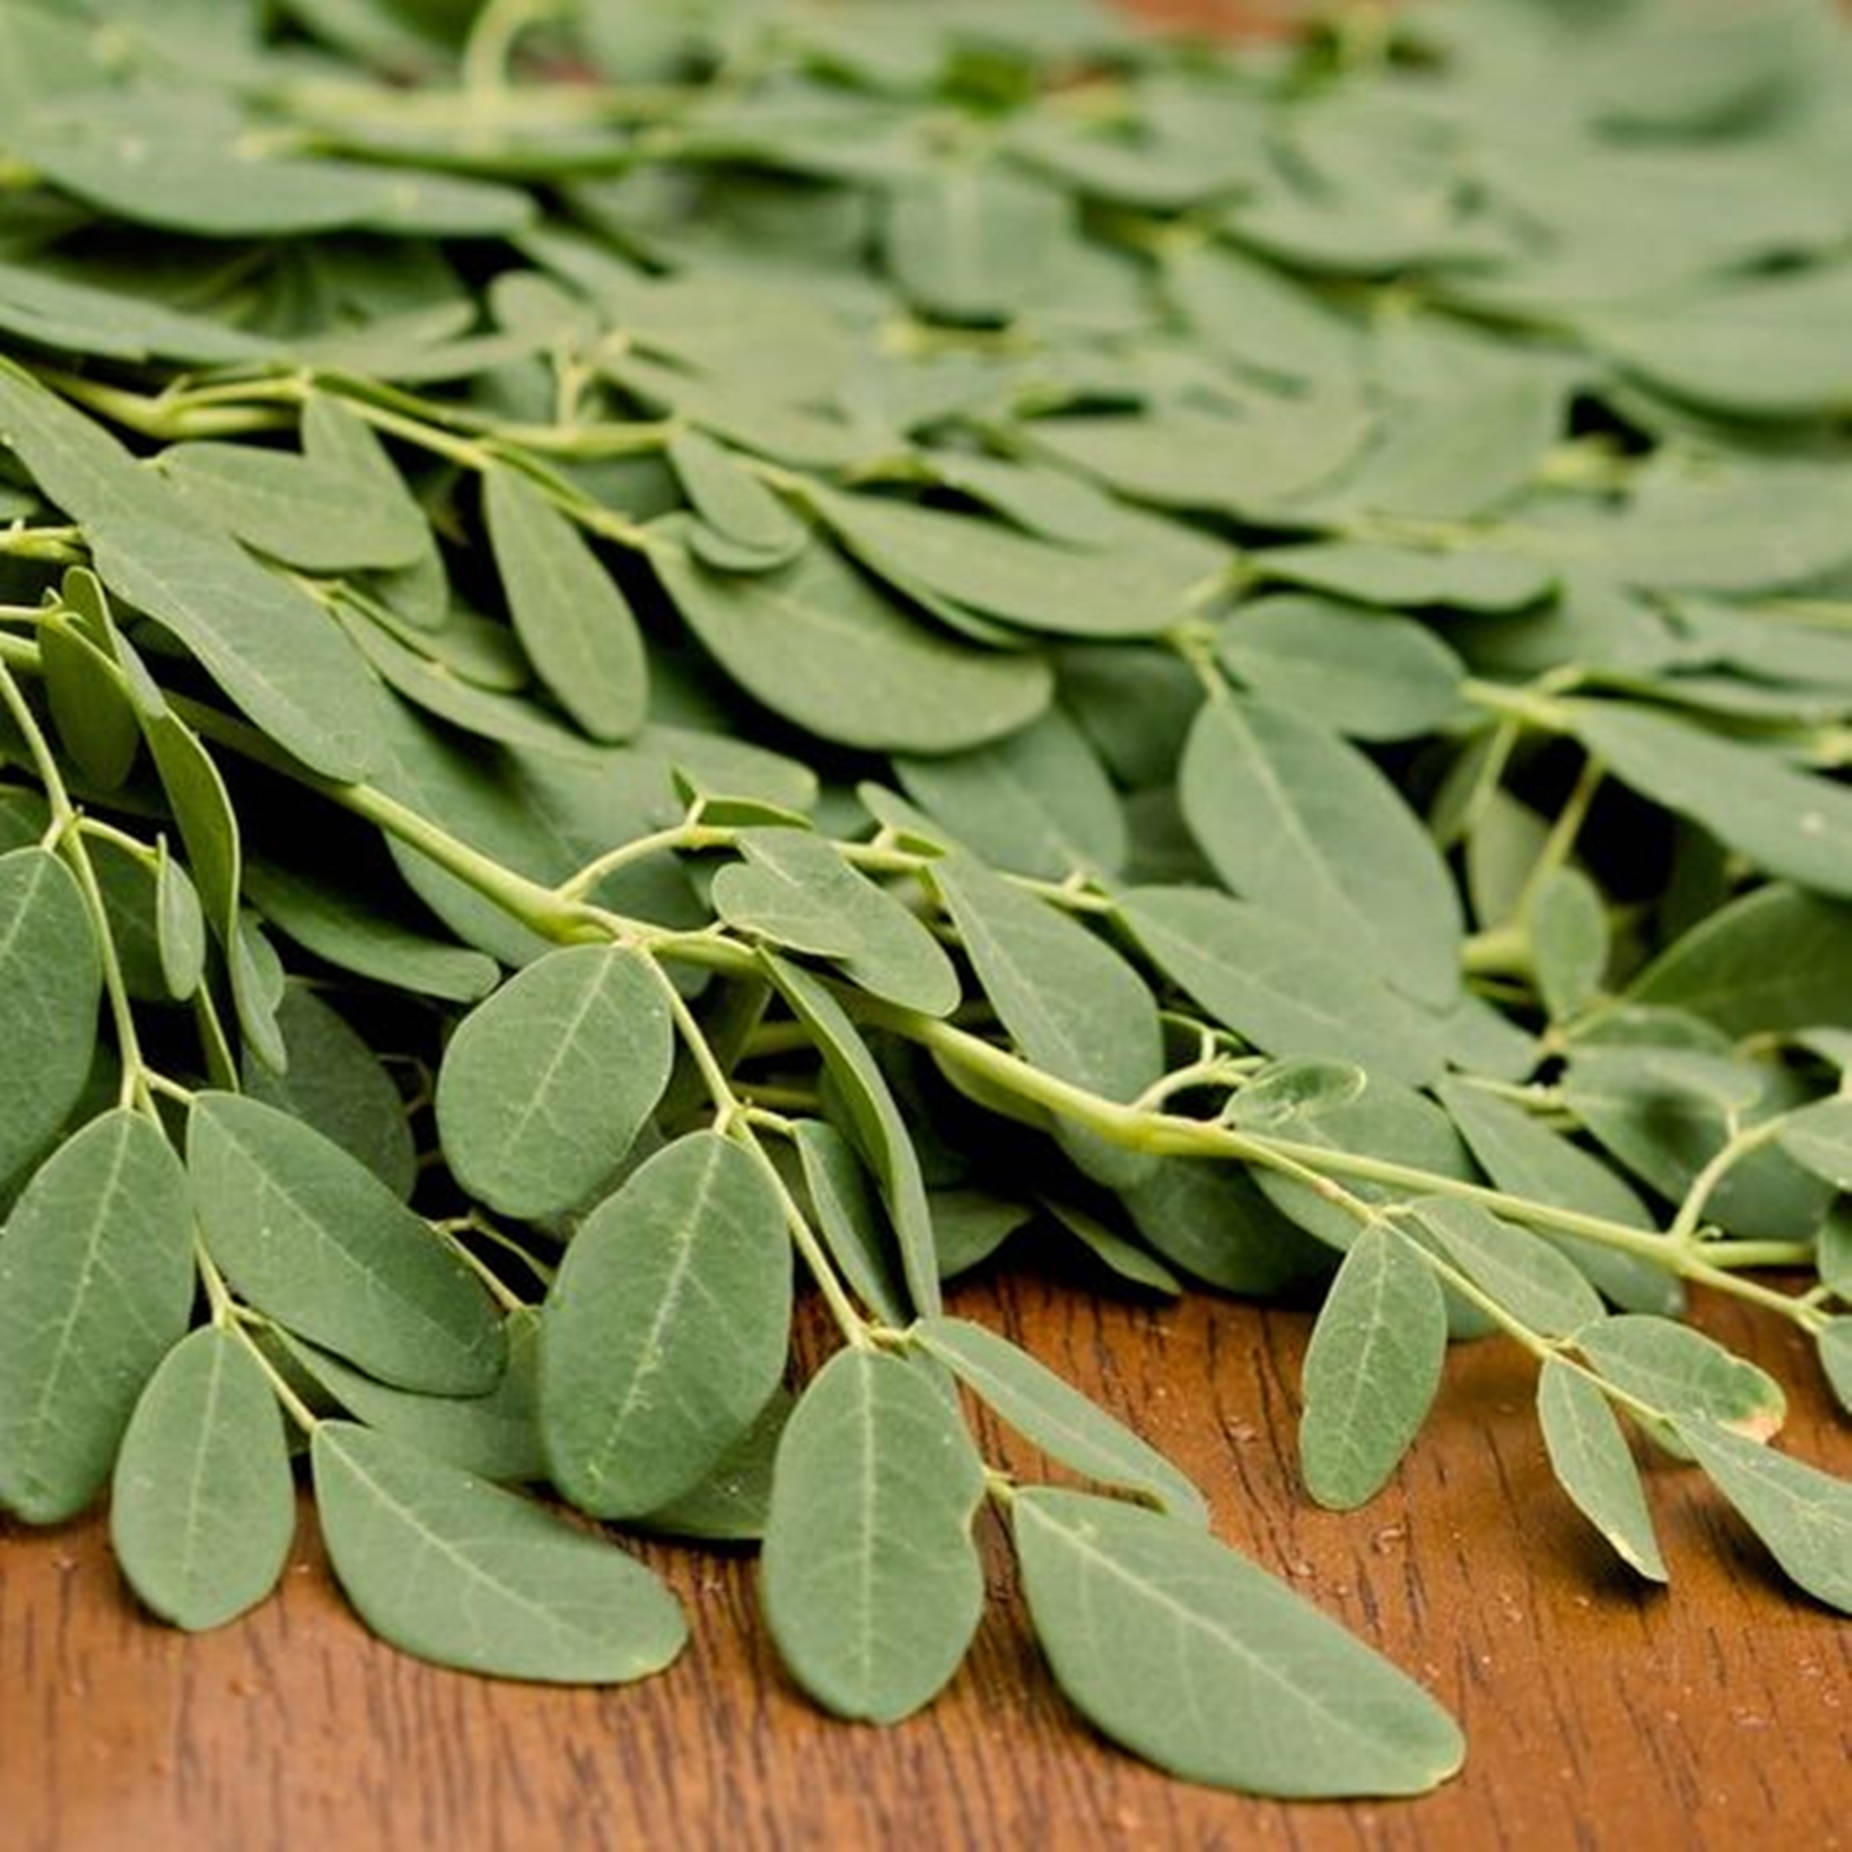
{"x":1716,"y":1715}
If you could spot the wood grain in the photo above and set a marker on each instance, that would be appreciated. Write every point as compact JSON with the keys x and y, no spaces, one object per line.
{"x":1717,"y":1715}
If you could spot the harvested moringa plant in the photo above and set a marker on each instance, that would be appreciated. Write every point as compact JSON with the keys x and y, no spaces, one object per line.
{"x":653,"y":655}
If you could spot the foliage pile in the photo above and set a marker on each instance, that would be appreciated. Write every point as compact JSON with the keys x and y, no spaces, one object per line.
{"x":640,"y":641}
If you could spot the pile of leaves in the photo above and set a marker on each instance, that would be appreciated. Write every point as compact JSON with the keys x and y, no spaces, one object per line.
{"x":652,"y":656}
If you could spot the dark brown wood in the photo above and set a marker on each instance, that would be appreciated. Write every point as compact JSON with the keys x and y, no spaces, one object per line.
{"x":1716,"y":1715}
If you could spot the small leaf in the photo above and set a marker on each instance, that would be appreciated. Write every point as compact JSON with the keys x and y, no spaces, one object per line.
{"x":334,"y":1082}
{"x":1192,"y":1657}
{"x":1296,"y":819}
{"x":666,"y":1329}
{"x":796,"y":890}
{"x":458,"y":1572}
{"x":850,"y":1220}
{"x":731,"y":1502}
{"x":732,"y":501}
{"x":204,"y":1507}
{"x":180,"y":926}
{"x":1835,"y":1342}
{"x":1037,"y":803}
{"x":571,"y":618}
{"x":1820,"y":1138}
{"x":96,"y":1285}
{"x":310,"y":1236}
{"x":1057,"y":1418}
{"x":1371,"y":1369}
{"x":1278,"y":986}
{"x":1803,"y":1515}
{"x":1588,"y":1454}
{"x":822,"y":646}
{"x":1681,"y":1372}
{"x":1522,"y":1272}
{"x":94,"y":719}
{"x":875,"y":1123}
{"x":545,"y":1086}
{"x":871,"y":1581}
{"x":969,"y":242}
{"x":494,"y":1436}
{"x":1073,"y":1006}
{"x":51,"y":979}
{"x":1569,"y":941}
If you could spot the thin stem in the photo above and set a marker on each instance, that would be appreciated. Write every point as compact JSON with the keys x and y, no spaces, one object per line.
{"x":1560,"y":843}
{"x":297,"y":1409}
{"x":1721,"y":1162}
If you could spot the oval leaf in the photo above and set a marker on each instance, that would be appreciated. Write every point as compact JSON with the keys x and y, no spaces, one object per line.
{"x":464,"y":1574}
{"x":545,"y":1086}
{"x":666,"y":1329}
{"x":1589,"y":1456}
{"x":871,"y":1580}
{"x":203,"y":1506}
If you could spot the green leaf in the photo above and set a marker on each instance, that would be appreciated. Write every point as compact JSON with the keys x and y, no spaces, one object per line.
{"x":850,"y":1220}
{"x":666,"y":1329}
{"x":1297,"y":820}
{"x":1773,"y":960}
{"x":1527,"y":1159}
{"x":545,"y":1086}
{"x":970,"y":242}
{"x":1371,"y":1370}
{"x":180,"y":926}
{"x":286,"y":506}
{"x":1073,"y":1006}
{"x":1037,"y":803}
{"x":334,"y":1082}
{"x":875,"y":1124}
{"x":203,"y":1507}
{"x":732,"y":1502}
{"x":463,"y":1574}
{"x":821,"y":646}
{"x":1527,"y":1276}
{"x":494,"y":1436}
{"x":1683,"y":1373}
{"x":1128,"y":1260}
{"x":96,"y":1285}
{"x":572,"y":620}
{"x":268,"y":645}
{"x":1356,"y":671}
{"x":1192,"y":1657}
{"x":1589,"y":1456}
{"x":1004,"y":573}
{"x":1056,"y":1418}
{"x":51,"y":979}
{"x":1803,"y":1515}
{"x":310,"y":1236}
{"x":1820,"y":1138}
{"x":64,"y":312}
{"x":1370,"y":573}
{"x":353,"y":933}
{"x":1835,"y":1342}
{"x":95,"y":721}
{"x":1208,"y":1217}
{"x":1263,"y":976}
{"x":794,"y":889}
{"x":1569,"y":941}
{"x":733,"y":502}
{"x":186,"y":160}
{"x":1794,"y":825}
{"x":870,"y":1578}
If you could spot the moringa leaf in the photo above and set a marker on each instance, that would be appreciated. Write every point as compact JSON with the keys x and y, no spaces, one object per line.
{"x":1293,"y":817}
{"x":1059,"y":1420}
{"x":870,"y":1579}
{"x":464,"y":1574}
{"x":310,"y":1236}
{"x":666,"y":1329}
{"x":203,"y":1508}
{"x":1371,"y":1369}
{"x":545,"y":1086}
{"x":1588,"y":1454}
{"x":1160,"y":1635}
{"x":96,"y":1286}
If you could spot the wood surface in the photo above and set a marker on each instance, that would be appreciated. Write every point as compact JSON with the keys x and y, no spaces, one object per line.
{"x":1714,"y":1715}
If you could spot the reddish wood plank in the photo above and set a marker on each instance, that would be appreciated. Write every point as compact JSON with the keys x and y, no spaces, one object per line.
{"x":1716,"y":1715}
